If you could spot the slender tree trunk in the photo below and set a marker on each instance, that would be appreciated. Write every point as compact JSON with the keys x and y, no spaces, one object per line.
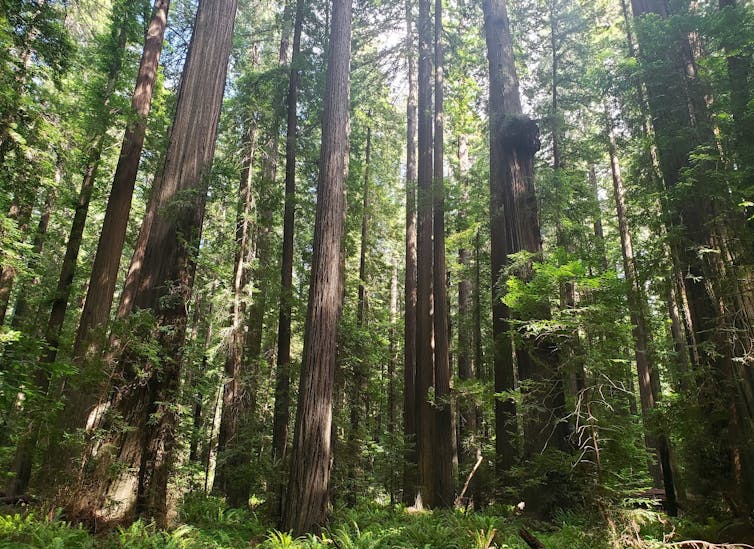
{"x":281,"y":412}
{"x":661,"y":471}
{"x":112,"y":236}
{"x":409,"y":334}
{"x":229,"y":479}
{"x":144,"y":401}
{"x":425,"y":379}
{"x":359,"y":405}
{"x":21,"y":310}
{"x":467,"y":413}
{"x":392,"y":367}
{"x":677,"y":105}
{"x":306,"y":506}
{"x":443,"y":462}
{"x":20,"y":211}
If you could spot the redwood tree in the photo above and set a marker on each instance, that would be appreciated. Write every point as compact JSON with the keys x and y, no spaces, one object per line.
{"x":308,"y":489}
{"x":146,"y":387}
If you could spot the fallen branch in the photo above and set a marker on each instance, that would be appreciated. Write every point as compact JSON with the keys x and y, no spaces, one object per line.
{"x":530,"y":539}
{"x":460,"y":497}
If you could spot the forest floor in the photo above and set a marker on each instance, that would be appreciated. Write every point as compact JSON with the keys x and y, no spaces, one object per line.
{"x":205,"y":522}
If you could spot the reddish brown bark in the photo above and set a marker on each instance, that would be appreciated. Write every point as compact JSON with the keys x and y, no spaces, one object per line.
{"x":425,"y":379}
{"x":444,"y":451}
{"x":112,"y":236}
{"x":228,"y":478}
{"x":146,"y":390}
{"x":306,"y":506}
{"x":281,"y":412}
{"x":409,"y":355}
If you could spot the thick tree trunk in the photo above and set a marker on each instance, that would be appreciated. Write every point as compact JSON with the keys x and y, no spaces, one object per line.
{"x":515,"y":227}
{"x":281,"y":412}
{"x":425,"y":379}
{"x":306,"y":506}
{"x":143,"y":452}
{"x":409,"y":334}
{"x":504,"y":99}
{"x":89,"y":337}
{"x":444,"y":454}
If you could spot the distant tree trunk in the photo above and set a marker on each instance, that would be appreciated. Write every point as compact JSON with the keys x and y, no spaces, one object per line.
{"x":143,"y":452}
{"x":307,"y":502}
{"x":443,"y":464}
{"x":739,"y":77}
{"x":229,"y":478}
{"x":20,"y":211}
{"x":392,"y":398}
{"x":425,"y":372}
{"x":678,"y":106}
{"x":112,"y":236}
{"x":661,"y":471}
{"x":281,"y":412}
{"x":467,"y":413}
{"x":359,"y":405}
{"x":21,"y":310}
{"x":409,"y":334}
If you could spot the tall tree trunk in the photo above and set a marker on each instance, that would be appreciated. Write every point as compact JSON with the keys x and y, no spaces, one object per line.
{"x":425,"y":378}
{"x":661,"y":471}
{"x":467,"y":413}
{"x":143,"y":452}
{"x":444,"y":455}
{"x":515,"y":227}
{"x":112,"y":236}
{"x":392,"y":399}
{"x":307,"y":502}
{"x":21,"y":310}
{"x":359,"y":405}
{"x":79,"y":400}
{"x":281,"y":412}
{"x":409,"y":334}
{"x":503,"y":100}
{"x":22,"y":463}
{"x":20,"y":211}
{"x":677,"y":105}
{"x":229,"y":479}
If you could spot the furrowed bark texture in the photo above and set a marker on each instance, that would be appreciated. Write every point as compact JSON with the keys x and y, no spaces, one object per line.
{"x":425,"y":379}
{"x":144,"y":400}
{"x":444,"y":454}
{"x":409,"y":334}
{"x":306,"y":506}
{"x":281,"y":411}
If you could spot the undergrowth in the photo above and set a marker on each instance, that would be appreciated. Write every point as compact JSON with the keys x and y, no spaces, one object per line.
{"x":205,"y":522}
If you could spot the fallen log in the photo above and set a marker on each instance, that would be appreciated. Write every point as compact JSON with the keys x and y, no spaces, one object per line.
{"x":530,"y":539}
